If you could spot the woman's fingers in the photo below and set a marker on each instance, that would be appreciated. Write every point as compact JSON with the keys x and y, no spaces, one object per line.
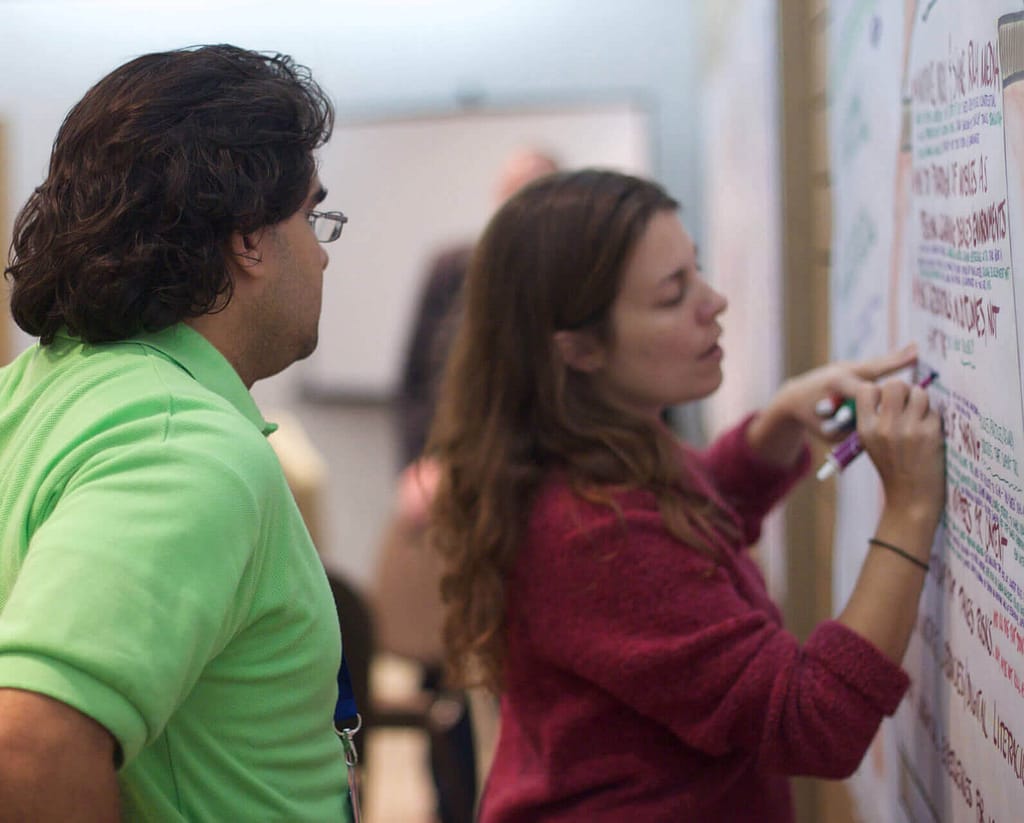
{"x":917,"y":402}
{"x":867,"y":396}
{"x":893,"y":401}
{"x":846,"y":378}
{"x":881,"y":407}
{"x":878,"y":367}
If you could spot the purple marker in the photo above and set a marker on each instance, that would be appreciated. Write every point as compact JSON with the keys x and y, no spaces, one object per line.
{"x":842,"y":455}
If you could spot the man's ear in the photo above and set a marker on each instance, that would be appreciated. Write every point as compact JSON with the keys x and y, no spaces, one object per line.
{"x":580,"y":350}
{"x":246,"y":249}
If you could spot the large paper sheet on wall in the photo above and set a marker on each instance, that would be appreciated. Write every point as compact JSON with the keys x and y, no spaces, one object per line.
{"x":928,"y":175}
{"x":741,"y":248}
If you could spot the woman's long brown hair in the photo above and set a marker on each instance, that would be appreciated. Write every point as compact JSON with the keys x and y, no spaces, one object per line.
{"x":510,"y":411}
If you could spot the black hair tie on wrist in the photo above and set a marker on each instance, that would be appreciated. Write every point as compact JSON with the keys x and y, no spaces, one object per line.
{"x":917,"y":562}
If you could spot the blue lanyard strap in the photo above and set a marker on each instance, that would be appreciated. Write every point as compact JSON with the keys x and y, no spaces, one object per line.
{"x":346,"y":723}
{"x":345,"y":708}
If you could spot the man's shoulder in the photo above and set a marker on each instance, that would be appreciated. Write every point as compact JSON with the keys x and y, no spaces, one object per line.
{"x":127,"y":392}
{"x":128,"y":374}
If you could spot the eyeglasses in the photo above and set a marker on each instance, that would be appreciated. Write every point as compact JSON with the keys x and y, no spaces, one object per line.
{"x":327,"y":225}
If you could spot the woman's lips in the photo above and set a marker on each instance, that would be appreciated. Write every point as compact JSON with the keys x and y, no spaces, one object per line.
{"x":715,"y":351}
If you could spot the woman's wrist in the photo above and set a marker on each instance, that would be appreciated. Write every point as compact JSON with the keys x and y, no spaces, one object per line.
{"x":911,"y":528}
{"x":775,"y":435}
{"x":892,"y":547}
{"x":919,"y":514}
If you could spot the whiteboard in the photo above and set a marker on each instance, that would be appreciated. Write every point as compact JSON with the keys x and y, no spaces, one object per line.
{"x":412,"y":185}
{"x":927,"y":162}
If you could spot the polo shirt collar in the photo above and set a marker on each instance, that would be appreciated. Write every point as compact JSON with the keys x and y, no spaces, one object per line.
{"x":196,"y":355}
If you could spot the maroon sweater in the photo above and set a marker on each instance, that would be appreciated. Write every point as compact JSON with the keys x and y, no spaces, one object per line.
{"x":646,"y":684}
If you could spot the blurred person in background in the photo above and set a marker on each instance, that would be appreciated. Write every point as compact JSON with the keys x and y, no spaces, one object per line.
{"x":406,"y":593}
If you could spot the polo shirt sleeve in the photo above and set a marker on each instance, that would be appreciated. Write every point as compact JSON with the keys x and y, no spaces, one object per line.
{"x":137,"y":577}
{"x":626,"y":607}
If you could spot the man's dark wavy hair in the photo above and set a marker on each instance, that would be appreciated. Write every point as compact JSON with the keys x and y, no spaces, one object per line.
{"x":151,"y":172}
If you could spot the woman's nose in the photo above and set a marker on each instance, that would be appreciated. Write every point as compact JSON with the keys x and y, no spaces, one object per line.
{"x":713,"y":306}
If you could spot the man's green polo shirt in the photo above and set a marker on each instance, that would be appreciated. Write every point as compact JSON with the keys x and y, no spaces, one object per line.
{"x":156,"y":575}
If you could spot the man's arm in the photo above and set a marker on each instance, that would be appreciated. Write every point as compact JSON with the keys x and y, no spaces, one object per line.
{"x":56,"y":764}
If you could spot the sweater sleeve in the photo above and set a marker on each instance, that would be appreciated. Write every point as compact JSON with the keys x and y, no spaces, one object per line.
{"x":749,"y":485}
{"x":628,"y":608}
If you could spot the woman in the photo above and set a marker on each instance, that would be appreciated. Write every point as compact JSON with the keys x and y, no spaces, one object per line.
{"x":596,"y":573}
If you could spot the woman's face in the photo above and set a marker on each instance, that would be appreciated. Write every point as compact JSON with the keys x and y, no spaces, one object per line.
{"x":664,"y":342}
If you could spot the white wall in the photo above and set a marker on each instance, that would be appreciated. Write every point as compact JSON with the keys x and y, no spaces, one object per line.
{"x":439,"y":190}
{"x":371,"y":56}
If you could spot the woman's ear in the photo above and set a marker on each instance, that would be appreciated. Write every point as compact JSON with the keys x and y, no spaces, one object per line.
{"x":580,"y":350}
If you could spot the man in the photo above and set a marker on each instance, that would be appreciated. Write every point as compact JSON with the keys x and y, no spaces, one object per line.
{"x":168,"y":641}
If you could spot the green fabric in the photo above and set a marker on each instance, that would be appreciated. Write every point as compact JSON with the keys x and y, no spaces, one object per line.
{"x":156,"y":575}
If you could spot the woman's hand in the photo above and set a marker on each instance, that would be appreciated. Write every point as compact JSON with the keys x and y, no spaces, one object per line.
{"x":779,"y":431}
{"x":417,"y":486}
{"x":902,"y":435}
